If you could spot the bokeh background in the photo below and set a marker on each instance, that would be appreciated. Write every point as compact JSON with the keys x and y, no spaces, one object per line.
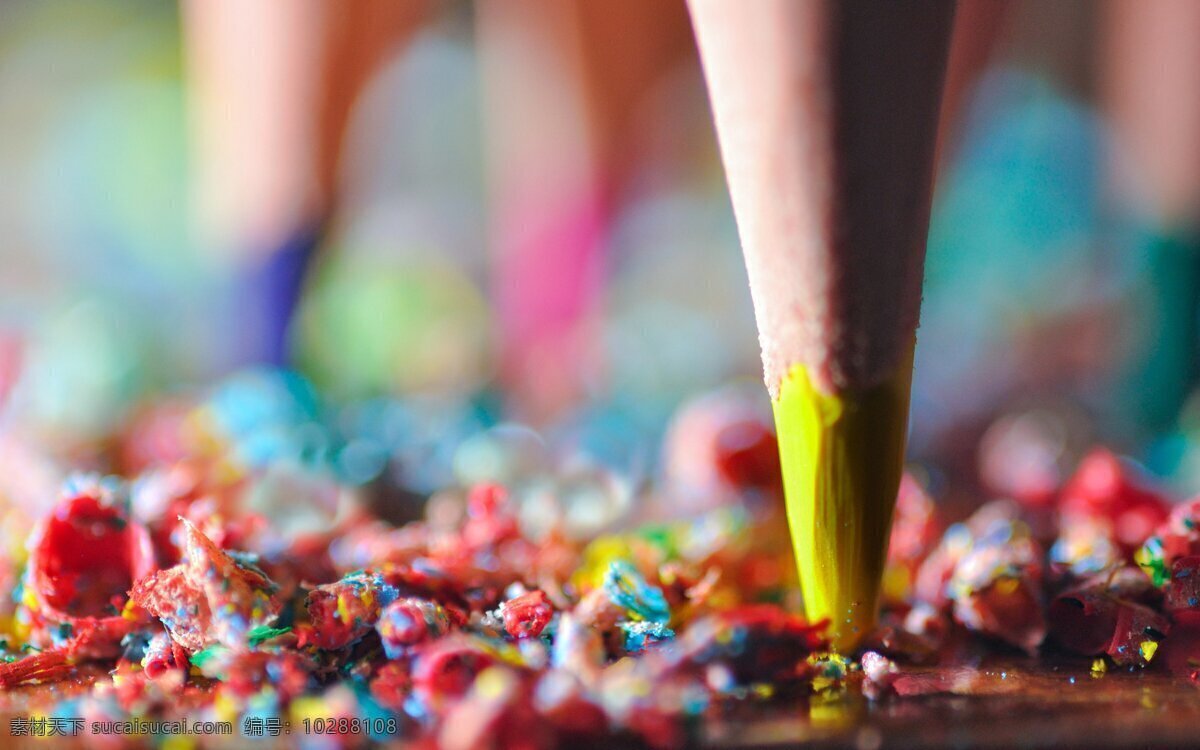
{"x":447,"y":216}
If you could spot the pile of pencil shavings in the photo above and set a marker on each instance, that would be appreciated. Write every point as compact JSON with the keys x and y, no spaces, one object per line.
{"x":468,"y":627}
{"x":460,"y":627}
{"x":1104,"y":567}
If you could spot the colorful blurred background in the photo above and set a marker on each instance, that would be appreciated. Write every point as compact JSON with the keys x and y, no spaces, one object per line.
{"x":447,"y":218}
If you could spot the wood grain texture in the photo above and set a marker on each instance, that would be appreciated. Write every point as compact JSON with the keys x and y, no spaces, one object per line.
{"x":826,"y":113}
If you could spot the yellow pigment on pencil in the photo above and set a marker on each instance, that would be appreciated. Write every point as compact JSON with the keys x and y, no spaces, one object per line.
{"x":842,"y":456}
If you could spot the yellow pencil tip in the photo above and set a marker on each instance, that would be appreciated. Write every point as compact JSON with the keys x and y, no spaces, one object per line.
{"x":842,"y":456}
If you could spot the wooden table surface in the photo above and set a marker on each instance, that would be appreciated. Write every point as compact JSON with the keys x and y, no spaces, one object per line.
{"x":1009,"y":703}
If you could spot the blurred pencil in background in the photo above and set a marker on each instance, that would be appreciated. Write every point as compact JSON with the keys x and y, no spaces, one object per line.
{"x":563,"y":84}
{"x":1150,"y":71}
{"x":272,"y":88}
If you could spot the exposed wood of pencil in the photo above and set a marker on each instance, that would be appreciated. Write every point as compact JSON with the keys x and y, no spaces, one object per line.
{"x":827,"y":114}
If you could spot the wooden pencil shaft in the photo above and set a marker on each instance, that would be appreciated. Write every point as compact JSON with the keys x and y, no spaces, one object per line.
{"x":826,"y":113}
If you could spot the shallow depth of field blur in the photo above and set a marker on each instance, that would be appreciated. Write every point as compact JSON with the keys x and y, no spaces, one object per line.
{"x":516,"y":213}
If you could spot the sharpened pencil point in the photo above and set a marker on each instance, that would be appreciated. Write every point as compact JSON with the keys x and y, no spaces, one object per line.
{"x":842,"y":454}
